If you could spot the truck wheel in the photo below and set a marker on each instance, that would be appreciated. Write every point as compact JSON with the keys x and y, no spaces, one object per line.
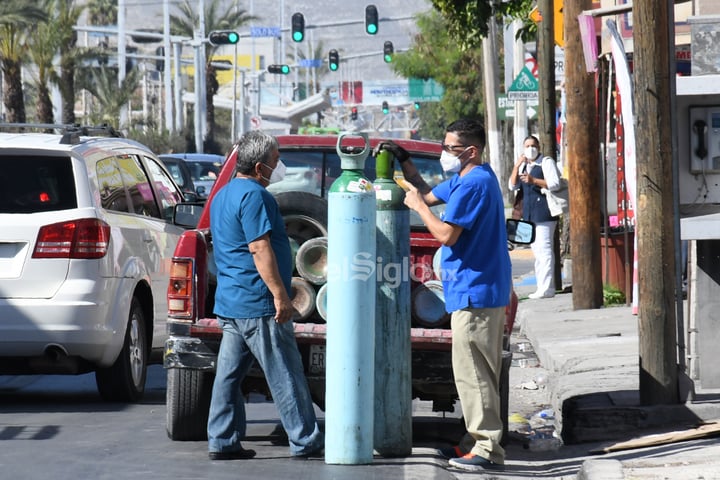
{"x":188,"y":403}
{"x":124,"y":381}
{"x":305,"y":215}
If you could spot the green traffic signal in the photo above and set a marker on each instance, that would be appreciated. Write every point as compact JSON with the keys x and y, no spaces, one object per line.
{"x":279,"y":69}
{"x":388,"y":51}
{"x":298,"y":27}
{"x":371,"y":20}
{"x":223,"y":37}
{"x":385,"y":108}
{"x":333,"y":60}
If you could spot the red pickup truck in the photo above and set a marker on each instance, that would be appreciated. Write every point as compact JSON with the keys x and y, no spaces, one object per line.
{"x":194,"y":334}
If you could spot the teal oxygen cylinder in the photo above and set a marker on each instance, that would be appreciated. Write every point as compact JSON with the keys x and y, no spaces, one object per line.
{"x":350,"y":350}
{"x":393,"y":378}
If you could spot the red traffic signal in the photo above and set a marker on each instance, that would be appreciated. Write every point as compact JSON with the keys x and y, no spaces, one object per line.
{"x":354,"y":113}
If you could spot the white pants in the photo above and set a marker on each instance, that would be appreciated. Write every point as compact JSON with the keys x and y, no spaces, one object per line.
{"x":542,"y":249}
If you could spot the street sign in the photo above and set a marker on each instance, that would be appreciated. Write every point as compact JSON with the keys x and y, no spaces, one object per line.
{"x":310,"y":62}
{"x":258,"y":32}
{"x":524,"y":87}
{"x":420,"y":90}
{"x":506,"y":108}
{"x":558,"y":21}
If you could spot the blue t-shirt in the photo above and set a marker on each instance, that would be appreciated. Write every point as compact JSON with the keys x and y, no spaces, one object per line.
{"x":476,"y":270}
{"x":241,"y":212}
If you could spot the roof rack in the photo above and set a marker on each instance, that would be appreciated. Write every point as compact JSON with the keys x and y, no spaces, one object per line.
{"x":71,"y":133}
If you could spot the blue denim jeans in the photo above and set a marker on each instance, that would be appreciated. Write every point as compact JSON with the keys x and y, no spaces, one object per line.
{"x":275,"y":348}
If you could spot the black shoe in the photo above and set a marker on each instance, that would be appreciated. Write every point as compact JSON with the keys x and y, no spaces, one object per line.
{"x":474,"y":463}
{"x":242,"y":454}
{"x":319,"y":453}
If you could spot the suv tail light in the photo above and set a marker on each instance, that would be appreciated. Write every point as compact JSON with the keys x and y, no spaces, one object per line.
{"x":180,"y":289}
{"x":84,"y":238}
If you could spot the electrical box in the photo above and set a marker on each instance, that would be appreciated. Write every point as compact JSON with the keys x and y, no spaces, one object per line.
{"x":705,"y":139}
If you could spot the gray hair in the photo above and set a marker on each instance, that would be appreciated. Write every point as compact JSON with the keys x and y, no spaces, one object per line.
{"x":254,"y":147}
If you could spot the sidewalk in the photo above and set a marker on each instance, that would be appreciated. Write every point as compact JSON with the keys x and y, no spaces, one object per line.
{"x":593,"y":386}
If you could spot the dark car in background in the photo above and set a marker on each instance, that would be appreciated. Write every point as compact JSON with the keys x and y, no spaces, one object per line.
{"x":180,"y":173}
{"x":204,"y":169}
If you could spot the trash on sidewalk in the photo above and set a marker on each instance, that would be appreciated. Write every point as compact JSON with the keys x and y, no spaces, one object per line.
{"x":709,"y":429}
{"x":531,"y":385}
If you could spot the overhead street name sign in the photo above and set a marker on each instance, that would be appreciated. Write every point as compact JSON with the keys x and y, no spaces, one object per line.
{"x":256,"y":32}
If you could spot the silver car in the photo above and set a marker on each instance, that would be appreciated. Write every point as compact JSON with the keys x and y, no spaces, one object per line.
{"x":85,"y":249}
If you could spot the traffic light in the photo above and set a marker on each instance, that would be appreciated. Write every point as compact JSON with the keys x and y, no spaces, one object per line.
{"x":160,"y":62}
{"x":417,"y":105}
{"x":353,"y":113}
{"x":371,"y":20}
{"x":388,"y":51}
{"x":333,"y":60}
{"x":223,"y":37}
{"x":298,"y":27}
{"x":386,"y":108}
{"x":278,"y":69}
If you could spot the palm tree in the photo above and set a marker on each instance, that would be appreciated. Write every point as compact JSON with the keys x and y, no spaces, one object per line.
{"x":15,"y":17}
{"x":102,"y":12}
{"x":109,"y":99}
{"x":186,"y":23}
{"x":64,"y":19}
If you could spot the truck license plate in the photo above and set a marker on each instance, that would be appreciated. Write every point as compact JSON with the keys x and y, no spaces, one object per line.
{"x":317,"y":358}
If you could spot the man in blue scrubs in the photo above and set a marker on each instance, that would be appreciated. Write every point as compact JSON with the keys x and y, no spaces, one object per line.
{"x":476,"y":276}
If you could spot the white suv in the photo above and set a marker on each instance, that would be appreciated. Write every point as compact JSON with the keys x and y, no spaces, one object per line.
{"x":85,"y":249}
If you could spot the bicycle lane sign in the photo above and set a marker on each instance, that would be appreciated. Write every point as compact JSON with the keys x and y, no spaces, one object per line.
{"x":524,"y":87}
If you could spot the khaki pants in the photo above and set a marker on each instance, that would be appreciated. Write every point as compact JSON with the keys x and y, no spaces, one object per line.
{"x":477,"y":360}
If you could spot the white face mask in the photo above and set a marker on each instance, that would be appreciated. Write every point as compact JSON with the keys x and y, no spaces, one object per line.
{"x":278,"y":173}
{"x":531,"y":153}
{"x":450,"y":163}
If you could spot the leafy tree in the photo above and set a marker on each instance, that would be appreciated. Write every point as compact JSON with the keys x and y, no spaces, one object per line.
{"x":16,"y":16}
{"x":434,"y":55}
{"x":468,"y":19}
{"x":232,"y":18}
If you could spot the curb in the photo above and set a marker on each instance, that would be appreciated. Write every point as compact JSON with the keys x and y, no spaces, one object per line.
{"x":601,"y":470}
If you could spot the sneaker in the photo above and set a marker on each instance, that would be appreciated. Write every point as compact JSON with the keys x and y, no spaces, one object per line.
{"x":450,"y":452}
{"x":537,"y":295}
{"x":474,"y":463}
{"x":242,"y":454}
{"x":319,"y":453}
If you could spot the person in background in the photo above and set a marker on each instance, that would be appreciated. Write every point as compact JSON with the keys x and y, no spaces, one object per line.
{"x":254,"y":271}
{"x":531,"y":173}
{"x":476,"y":277}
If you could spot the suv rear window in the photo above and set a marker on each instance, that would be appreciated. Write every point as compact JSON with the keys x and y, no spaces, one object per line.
{"x":30,"y":184}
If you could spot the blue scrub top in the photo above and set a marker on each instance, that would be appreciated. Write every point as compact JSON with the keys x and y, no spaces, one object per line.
{"x":476,"y":270}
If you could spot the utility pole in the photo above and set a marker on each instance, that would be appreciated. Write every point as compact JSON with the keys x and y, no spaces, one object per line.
{"x":583,"y":165}
{"x":547,"y":104}
{"x":653,"y":76}
{"x":490,"y":74}
{"x":546,"y":80}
